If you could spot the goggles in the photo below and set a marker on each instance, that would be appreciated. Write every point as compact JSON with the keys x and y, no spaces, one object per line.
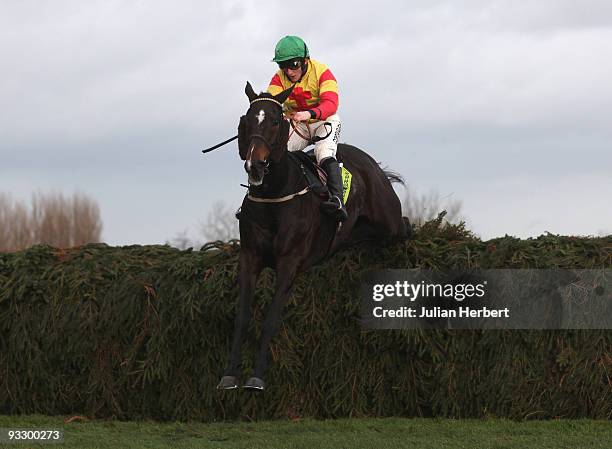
{"x":292,"y":64}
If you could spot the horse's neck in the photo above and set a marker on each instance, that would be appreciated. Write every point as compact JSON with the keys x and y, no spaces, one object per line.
{"x":283,"y":178}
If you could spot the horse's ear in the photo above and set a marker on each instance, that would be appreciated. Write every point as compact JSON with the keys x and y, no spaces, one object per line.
{"x":242,"y":143}
{"x":282,"y":97}
{"x":248,"y":90}
{"x":283,"y":138}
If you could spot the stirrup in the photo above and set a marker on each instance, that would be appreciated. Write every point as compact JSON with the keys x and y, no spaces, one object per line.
{"x":338,"y":211}
{"x":341,"y":213}
{"x":329,"y":203}
{"x":337,"y":198}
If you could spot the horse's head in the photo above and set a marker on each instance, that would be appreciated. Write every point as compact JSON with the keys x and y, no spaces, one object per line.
{"x":263,"y":132}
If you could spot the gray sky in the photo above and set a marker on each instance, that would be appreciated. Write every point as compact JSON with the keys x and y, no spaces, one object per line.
{"x":506,"y":107}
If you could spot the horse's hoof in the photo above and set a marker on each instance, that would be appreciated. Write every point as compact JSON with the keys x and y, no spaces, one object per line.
{"x":228,"y":383}
{"x":254,"y":384}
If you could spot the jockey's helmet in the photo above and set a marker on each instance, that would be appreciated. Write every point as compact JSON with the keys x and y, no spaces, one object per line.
{"x":290,"y":47}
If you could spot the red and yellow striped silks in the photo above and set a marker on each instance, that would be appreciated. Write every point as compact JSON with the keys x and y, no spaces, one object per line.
{"x":316,"y":91}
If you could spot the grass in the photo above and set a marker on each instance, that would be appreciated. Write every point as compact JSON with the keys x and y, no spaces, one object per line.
{"x":337,"y":434}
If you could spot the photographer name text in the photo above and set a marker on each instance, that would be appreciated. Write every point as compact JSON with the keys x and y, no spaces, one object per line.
{"x":438,"y":312}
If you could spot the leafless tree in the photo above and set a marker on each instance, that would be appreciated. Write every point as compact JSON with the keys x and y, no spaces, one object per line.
{"x":182,"y":241}
{"x":221,"y":223}
{"x":52,"y":218}
{"x":425,"y":207}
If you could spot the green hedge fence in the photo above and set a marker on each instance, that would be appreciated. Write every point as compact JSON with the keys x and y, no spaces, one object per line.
{"x":144,"y":332}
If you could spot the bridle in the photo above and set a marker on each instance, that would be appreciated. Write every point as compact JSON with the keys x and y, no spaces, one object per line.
{"x":270,"y":146}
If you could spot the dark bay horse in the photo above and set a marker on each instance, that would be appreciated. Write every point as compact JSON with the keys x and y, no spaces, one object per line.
{"x":282,"y":227}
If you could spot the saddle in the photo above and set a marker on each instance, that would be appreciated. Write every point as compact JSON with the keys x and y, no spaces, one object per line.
{"x":314,"y":174}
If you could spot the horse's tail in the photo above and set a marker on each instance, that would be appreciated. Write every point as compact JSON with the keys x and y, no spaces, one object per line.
{"x":394,"y":176}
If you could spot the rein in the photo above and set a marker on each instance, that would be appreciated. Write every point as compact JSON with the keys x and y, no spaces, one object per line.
{"x":282,"y":199}
{"x":310,"y":138}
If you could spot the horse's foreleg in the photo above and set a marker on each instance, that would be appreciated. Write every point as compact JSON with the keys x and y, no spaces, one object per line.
{"x":249,"y":269}
{"x":284,"y":282}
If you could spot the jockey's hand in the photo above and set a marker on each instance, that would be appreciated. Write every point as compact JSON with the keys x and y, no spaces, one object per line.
{"x":300,"y":116}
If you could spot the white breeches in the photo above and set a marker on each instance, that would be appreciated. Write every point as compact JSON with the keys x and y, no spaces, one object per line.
{"x":323,"y":148}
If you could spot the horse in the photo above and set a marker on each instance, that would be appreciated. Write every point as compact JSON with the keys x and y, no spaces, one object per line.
{"x":281,"y":226}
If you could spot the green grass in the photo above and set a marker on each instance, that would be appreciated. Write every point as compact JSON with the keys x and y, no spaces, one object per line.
{"x":337,"y":434}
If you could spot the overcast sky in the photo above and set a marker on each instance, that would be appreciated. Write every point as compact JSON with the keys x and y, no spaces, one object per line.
{"x":505,"y":106}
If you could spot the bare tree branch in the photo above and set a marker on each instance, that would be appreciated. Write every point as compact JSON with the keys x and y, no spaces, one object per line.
{"x":51,"y":218}
{"x":422,"y":208}
{"x":221,"y":223}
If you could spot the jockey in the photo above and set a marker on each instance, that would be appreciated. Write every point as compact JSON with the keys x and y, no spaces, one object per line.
{"x":311,"y":107}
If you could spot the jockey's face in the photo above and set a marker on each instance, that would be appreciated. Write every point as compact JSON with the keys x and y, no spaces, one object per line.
{"x":293,"y":74}
{"x":293,"y":68}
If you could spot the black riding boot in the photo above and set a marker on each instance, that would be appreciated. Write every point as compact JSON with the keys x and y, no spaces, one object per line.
{"x":334,"y":205}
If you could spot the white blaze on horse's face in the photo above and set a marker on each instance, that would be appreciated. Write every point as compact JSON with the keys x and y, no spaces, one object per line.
{"x":261,"y":116}
{"x":248,"y":165}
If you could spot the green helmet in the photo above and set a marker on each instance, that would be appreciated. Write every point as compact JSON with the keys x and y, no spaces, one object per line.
{"x":290,"y":47}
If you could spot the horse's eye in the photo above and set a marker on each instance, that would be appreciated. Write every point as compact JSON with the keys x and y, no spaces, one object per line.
{"x":275,"y":122}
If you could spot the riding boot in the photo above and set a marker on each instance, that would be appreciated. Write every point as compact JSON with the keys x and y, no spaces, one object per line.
{"x":334,"y":205}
